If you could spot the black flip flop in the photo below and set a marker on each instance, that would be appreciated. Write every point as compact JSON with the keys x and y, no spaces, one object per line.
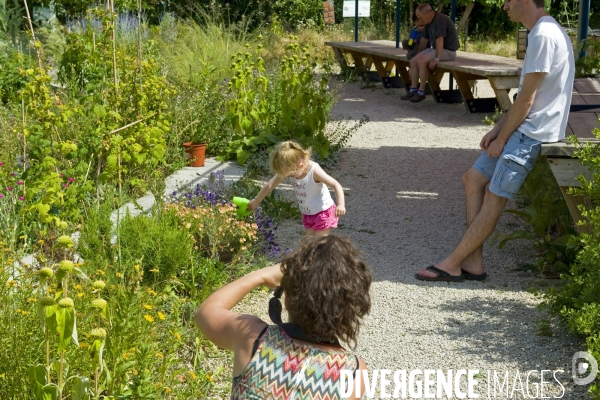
{"x":474,"y":277}
{"x":441,"y":276}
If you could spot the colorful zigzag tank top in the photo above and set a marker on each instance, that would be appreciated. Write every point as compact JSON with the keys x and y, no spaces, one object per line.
{"x":286,"y":370}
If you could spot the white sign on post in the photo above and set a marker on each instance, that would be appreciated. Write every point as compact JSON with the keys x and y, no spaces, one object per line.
{"x":364,"y":9}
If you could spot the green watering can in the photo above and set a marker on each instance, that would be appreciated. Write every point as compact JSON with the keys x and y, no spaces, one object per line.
{"x":241,"y":204}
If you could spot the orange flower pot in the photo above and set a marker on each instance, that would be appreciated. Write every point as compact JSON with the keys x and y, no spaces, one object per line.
{"x":195,"y":153}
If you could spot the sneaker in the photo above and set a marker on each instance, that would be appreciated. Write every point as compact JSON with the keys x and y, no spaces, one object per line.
{"x":408,"y":95}
{"x":417,"y":98}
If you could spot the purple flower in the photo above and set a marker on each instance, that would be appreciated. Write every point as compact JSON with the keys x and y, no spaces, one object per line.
{"x":9,"y":189}
{"x":71,"y":180}
{"x":66,"y":185}
{"x":20,"y":183}
{"x":1,"y":164}
{"x":1,"y":195}
{"x":21,"y":198}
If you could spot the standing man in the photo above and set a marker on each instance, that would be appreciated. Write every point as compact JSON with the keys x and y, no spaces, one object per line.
{"x":441,"y":32}
{"x":539,"y":114}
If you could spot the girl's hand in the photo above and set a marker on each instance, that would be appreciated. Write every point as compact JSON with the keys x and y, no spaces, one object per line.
{"x":252,"y":205}
{"x":271,"y":276}
{"x":340,"y":210}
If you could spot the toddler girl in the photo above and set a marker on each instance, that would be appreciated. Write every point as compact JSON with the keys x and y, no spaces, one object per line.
{"x":310,"y":182}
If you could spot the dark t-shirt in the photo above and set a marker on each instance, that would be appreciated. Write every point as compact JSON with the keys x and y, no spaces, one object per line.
{"x":442,"y":25}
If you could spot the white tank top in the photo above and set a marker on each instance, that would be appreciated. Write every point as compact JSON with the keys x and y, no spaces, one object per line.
{"x":312,"y":197}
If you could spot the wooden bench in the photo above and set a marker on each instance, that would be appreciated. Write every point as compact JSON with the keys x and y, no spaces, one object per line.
{"x":583,"y":118}
{"x":502,"y":73}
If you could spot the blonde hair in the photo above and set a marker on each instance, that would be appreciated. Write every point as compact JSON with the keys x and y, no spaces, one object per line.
{"x":285,"y":156}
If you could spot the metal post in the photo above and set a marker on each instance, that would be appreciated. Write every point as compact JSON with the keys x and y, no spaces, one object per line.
{"x":582,"y":25}
{"x":453,"y":18}
{"x":397,"y":23}
{"x":356,"y":22}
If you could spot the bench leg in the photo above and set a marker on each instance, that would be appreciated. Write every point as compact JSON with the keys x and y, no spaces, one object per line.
{"x":341,"y":59}
{"x":502,"y":85}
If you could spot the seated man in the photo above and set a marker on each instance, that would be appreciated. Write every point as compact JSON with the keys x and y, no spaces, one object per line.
{"x":441,"y":32}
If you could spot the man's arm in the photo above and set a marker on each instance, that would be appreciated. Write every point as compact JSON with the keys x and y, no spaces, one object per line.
{"x":439,"y":47}
{"x":516,"y":113}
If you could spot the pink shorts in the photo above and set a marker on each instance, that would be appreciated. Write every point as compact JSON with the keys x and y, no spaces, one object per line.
{"x":321,"y":221}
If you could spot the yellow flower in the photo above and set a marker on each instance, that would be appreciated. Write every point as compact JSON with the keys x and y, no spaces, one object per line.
{"x":161,"y":316}
{"x":167,"y":389}
{"x":126,"y":356}
{"x":148,"y":318}
{"x":80,"y":295}
{"x":21,"y":237}
{"x":119,"y":275}
{"x":77,"y":287}
{"x":99,"y":272}
{"x":31,"y":300}
{"x":41,"y":241}
{"x":84,"y":345}
{"x":155,"y":270}
{"x":159,"y":355}
{"x":209,"y":377}
{"x":193,"y":375}
{"x":11,"y":283}
{"x":148,"y":307}
{"x":2,"y":375}
{"x":136,"y":267}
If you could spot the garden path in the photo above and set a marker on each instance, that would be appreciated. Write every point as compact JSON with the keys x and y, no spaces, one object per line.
{"x":401,"y":173}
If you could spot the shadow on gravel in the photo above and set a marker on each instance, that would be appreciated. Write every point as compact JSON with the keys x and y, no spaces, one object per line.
{"x":406,"y":210}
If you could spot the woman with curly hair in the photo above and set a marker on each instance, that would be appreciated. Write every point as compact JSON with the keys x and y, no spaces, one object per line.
{"x":326,"y":288}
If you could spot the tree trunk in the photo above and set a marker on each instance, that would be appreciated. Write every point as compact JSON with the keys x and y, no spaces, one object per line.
{"x":411,"y":7}
{"x":465,"y":17}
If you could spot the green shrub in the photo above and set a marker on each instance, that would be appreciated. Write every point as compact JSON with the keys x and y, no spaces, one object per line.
{"x":578,"y":300}
{"x":547,"y":222}
{"x":156,"y":243}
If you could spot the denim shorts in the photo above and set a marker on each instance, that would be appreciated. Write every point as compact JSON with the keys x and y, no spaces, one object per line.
{"x":508,"y":172}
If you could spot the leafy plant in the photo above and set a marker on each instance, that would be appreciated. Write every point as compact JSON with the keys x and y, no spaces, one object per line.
{"x":547,"y":222}
{"x":576,"y":302}
{"x":590,"y":64}
{"x":291,"y":105}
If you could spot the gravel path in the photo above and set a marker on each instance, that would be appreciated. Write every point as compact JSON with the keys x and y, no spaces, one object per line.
{"x":405,"y":209}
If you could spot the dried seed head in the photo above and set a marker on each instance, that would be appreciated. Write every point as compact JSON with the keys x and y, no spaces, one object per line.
{"x":66,"y":266}
{"x":47,"y":301}
{"x":99,"y":304}
{"x":99,"y":285}
{"x":98,"y":333}
{"x":45,"y":272}
{"x":64,"y":241}
{"x":66,"y":302}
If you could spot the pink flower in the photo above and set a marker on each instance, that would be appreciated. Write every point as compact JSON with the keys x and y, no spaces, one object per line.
{"x":71,"y":180}
{"x":1,"y":164}
{"x":21,"y":198}
{"x":1,"y":195}
{"x":66,"y":185}
{"x":9,"y":188}
{"x":20,"y":183}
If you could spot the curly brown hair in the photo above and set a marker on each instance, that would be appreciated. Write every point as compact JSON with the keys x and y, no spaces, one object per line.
{"x":326,"y":286}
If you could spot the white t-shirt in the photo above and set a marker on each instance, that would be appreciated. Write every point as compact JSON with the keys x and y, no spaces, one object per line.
{"x":312,"y":197}
{"x":549,"y":50}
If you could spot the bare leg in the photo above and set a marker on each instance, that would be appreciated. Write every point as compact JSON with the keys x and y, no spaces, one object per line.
{"x":475,"y":183}
{"x":414,"y":72}
{"x":479,"y":230}
{"x":423,"y":72}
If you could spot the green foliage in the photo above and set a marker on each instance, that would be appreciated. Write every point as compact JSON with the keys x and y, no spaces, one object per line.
{"x":162,"y":245}
{"x":294,"y":104}
{"x":11,"y":81}
{"x":590,"y":64}
{"x":548,"y":225}
{"x":577,"y":301}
